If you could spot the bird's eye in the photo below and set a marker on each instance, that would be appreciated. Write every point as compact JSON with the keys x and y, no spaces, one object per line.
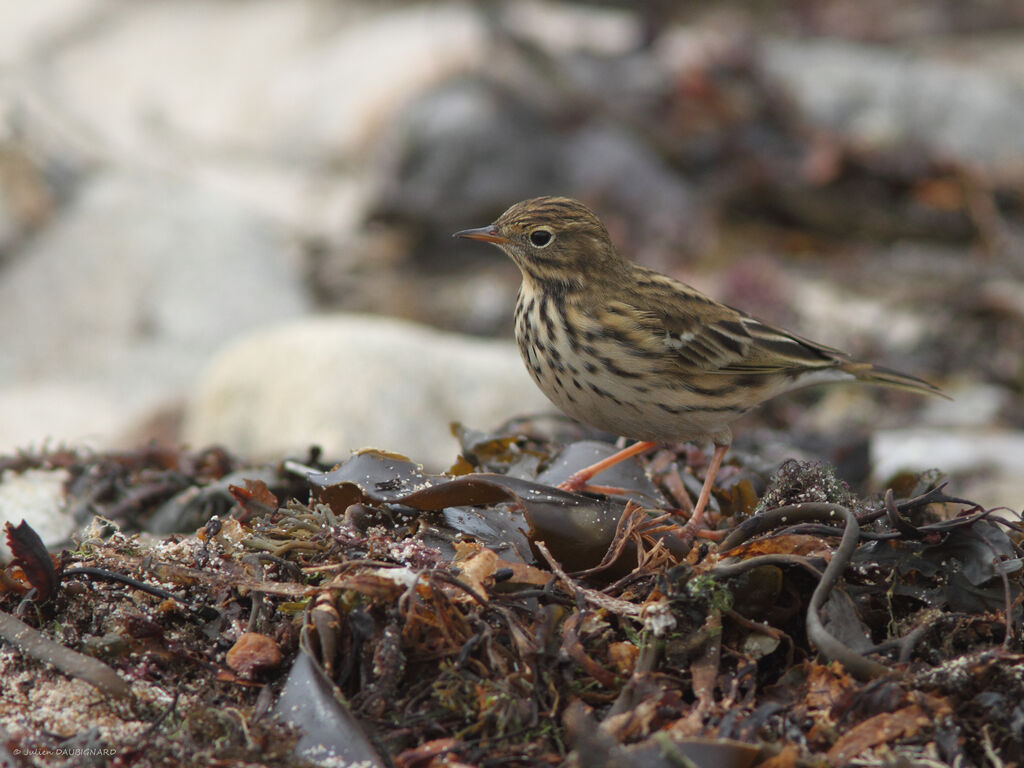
{"x":541,"y":237}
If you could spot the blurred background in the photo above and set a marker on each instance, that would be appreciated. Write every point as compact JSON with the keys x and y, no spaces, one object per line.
{"x":190,"y":193}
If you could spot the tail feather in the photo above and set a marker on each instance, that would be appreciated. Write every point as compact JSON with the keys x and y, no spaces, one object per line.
{"x":876,"y":374}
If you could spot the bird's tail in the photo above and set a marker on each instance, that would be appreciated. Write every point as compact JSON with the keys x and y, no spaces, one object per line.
{"x":886,"y":377}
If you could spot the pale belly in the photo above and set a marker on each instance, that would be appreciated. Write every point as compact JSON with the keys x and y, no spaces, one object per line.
{"x":574,"y":379}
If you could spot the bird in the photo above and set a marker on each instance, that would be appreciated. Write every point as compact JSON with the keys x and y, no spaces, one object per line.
{"x":638,"y":354}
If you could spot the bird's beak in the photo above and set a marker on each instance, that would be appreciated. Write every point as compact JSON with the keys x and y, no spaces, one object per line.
{"x":483,"y":234}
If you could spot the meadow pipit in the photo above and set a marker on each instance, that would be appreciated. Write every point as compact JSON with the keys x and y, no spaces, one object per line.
{"x":638,"y":354}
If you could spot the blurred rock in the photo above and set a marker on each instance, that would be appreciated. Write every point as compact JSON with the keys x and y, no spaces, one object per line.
{"x":467,"y":148}
{"x":50,"y":413}
{"x":282,"y":123}
{"x":951,"y":450}
{"x":883,"y":20}
{"x":973,"y":405}
{"x":133,"y":287}
{"x":28,"y":28}
{"x":886,"y":97}
{"x":370,"y":66}
{"x":37,"y":497}
{"x":652,"y":204}
{"x":558,"y":26}
{"x":26,"y":198}
{"x":178,"y":91}
{"x":346,"y":382}
{"x":986,"y":465}
{"x":1000,"y":49}
{"x":463,"y":152}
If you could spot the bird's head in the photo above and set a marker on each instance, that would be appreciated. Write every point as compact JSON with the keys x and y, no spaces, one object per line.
{"x":553,"y":241}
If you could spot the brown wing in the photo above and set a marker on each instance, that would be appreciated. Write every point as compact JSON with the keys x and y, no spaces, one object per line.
{"x":708,"y":337}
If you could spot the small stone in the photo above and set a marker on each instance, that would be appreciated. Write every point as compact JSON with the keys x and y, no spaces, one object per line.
{"x":623,"y":656}
{"x":252,"y":653}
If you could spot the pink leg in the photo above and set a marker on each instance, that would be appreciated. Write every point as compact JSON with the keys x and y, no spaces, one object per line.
{"x":705,"y":492}
{"x":578,"y":481}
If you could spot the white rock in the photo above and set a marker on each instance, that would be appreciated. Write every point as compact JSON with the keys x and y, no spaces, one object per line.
{"x":562,"y":26}
{"x":334,"y":99}
{"x":197,"y":72}
{"x":973,"y":404}
{"x":48,"y":414}
{"x":883,"y":98}
{"x":37,"y":497}
{"x":296,"y":80}
{"x":849,"y":316}
{"x":27,"y":27}
{"x":946,"y":449}
{"x":272,"y":103}
{"x":138,"y":267}
{"x":346,"y":382}
{"x":125,"y":297}
{"x":992,"y":461}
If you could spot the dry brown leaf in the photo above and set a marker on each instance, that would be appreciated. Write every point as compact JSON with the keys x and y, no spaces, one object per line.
{"x":787,"y":544}
{"x":623,"y":656}
{"x":253,"y":653}
{"x":880,"y":729}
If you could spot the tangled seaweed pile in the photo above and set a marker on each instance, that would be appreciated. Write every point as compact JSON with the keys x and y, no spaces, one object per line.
{"x":376,"y":615}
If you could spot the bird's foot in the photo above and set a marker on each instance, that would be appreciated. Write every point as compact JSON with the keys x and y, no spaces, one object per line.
{"x":689,"y":531}
{"x":575,"y":484}
{"x":580,"y":481}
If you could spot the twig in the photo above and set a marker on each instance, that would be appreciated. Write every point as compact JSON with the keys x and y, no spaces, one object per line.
{"x":34,"y":643}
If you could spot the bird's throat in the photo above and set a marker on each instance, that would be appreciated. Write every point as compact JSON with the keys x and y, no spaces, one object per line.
{"x":559,"y":286}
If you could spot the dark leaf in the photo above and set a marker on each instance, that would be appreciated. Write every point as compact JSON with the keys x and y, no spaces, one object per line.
{"x":254,"y":500}
{"x":577,"y":528}
{"x":330,"y":733}
{"x":31,"y":556}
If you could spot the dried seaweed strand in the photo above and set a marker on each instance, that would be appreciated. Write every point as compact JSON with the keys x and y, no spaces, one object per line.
{"x":35,"y":644}
{"x":859,"y":666}
{"x":103,"y":573}
{"x":601,"y":600}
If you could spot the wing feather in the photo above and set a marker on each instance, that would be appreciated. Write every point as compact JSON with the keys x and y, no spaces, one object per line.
{"x":708,"y":337}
